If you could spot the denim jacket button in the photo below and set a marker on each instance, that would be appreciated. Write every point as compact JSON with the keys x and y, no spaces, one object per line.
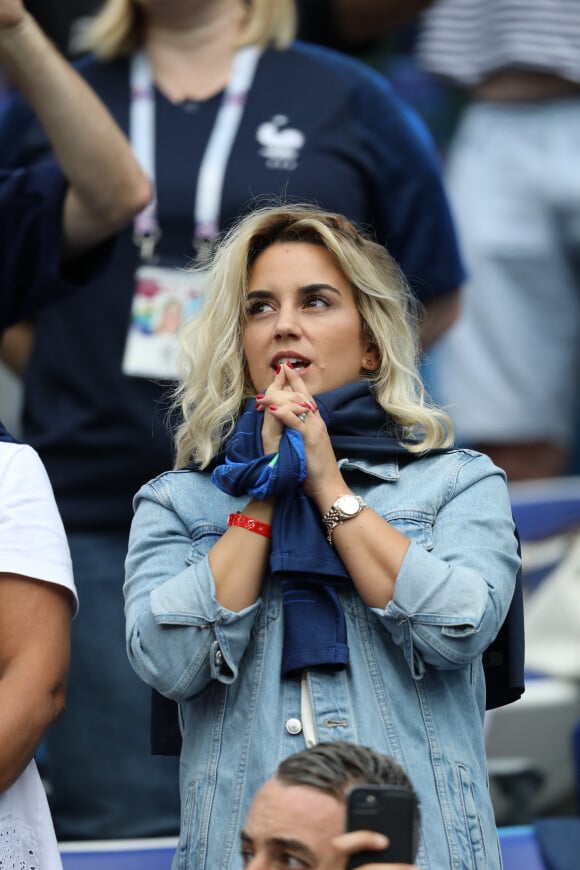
{"x":293,"y":726}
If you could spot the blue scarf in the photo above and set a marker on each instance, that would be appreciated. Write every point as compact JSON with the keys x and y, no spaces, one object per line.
{"x":308,"y":569}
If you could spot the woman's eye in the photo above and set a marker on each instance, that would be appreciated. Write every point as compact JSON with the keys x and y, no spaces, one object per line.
{"x":316,"y":302}
{"x":258,"y":307}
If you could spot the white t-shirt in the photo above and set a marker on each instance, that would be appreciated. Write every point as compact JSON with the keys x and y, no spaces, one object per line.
{"x":32,"y":543}
{"x":27,"y":838}
{"x":32,"y":537}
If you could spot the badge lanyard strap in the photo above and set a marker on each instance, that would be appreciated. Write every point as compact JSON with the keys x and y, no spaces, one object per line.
{"x":210,"y":181}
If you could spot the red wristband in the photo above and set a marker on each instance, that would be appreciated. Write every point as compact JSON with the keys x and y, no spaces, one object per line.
{"x":250,"y":524}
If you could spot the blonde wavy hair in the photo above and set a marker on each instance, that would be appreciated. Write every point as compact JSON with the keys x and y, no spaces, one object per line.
{"x":214,"y":382}
{"x":118,"y":28}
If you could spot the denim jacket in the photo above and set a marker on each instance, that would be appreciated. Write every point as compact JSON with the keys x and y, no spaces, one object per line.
{"x":414,"y":688}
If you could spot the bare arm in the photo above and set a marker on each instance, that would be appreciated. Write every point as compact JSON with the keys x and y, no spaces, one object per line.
{"x":35,"y":622}
{"x":107,"y":186}
{"x":239,"y":560}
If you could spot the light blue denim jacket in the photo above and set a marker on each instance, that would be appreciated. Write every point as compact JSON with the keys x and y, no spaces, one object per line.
{"x":414,"y":688}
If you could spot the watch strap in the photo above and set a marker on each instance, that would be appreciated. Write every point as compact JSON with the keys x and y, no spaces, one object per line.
{"x":334,"y":516}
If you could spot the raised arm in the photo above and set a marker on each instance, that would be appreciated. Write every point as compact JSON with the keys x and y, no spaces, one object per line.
{"x":107,"y":186}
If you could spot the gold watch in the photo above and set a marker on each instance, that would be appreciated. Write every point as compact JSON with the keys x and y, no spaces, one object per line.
{"x":344,"y":508}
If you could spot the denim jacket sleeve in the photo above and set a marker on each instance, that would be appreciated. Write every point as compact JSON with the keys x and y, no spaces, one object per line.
{"x":179,"y":637}
{"x":451,"y":601}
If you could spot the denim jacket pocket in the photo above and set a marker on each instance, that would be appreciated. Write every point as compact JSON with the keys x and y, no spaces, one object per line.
{"x":416,"y":525}
{"x":203,"y":537}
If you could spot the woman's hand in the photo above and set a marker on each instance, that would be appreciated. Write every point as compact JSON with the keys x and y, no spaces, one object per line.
{"x":371,"y":549}
{"x":272,"y":425}
{"x":288,"y":402}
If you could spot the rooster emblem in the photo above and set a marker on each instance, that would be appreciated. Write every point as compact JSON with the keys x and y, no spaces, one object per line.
{"x":280,"y":144}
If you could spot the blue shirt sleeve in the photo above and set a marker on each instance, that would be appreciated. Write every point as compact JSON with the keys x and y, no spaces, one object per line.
{"x":31,"y":203}
{"x":412,"y":216}
{"x":31,"y":271}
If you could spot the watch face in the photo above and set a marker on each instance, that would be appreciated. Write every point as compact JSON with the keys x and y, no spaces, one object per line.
{"x":348,"y":504}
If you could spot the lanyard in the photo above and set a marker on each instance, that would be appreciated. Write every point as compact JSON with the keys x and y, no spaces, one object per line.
{"x":212,"y":170}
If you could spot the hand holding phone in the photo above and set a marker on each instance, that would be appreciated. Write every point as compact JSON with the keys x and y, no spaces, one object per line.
{"x":392,"y":810}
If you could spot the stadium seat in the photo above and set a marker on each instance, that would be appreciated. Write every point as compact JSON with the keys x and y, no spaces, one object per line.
{"x":519,"y":848}
{"x":146,"y":854}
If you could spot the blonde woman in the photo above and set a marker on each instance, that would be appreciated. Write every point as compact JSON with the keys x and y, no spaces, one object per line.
{"x":320,"y":565}
{"x":221,"y":106}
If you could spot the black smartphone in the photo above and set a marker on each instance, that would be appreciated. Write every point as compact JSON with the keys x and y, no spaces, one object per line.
{"x":392,"y":810}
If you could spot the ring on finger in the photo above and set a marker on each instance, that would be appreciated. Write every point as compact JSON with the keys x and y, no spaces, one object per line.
{"x":302,"y":417}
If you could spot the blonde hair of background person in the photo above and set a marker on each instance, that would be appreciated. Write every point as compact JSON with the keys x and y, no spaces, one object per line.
{"x":118,"y":29}
{"x":211,"y":395}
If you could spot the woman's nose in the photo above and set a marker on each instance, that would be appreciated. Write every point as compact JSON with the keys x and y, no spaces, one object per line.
{"x":288,"y":322}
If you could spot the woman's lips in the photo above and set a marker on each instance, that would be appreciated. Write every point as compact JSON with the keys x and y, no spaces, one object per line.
{"x":295,"y":362}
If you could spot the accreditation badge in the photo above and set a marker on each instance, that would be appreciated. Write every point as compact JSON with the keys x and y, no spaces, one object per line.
{"x":164,"y":298}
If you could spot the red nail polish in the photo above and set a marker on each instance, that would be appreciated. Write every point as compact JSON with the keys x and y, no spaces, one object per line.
{"x":289,"y":364}
{"x":278,"y":369}
{"x":273,"y":407}
{"x":260,"y":395}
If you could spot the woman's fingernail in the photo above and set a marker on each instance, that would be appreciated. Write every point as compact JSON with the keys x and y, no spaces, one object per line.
{"x":314,"y":406}
{"x":278,"y":369}
{"x":289,"y":364}
{"x":260,"y":395}
{"x":273,"y":407}
{"x":305,"y":405}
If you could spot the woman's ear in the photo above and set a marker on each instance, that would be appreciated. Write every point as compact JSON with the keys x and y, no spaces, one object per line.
{"x":371,"y":360}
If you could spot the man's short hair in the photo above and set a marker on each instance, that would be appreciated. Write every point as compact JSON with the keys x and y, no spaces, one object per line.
{"x":336,"y":766}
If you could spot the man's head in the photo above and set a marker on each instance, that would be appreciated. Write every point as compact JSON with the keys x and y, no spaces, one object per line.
{"x":297,"y":815}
